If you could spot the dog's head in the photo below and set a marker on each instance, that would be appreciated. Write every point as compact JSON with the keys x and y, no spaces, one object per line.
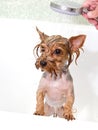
{"x":55,"y":52}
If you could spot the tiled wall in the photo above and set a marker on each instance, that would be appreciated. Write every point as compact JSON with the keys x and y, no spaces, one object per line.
{"x":37,"y":10}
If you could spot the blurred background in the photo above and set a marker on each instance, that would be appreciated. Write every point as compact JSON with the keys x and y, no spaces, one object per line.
{"x":38,"y":10}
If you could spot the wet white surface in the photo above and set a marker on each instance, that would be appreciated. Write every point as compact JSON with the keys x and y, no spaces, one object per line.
{"x":19,"y":78}
{"x":16,"y":121}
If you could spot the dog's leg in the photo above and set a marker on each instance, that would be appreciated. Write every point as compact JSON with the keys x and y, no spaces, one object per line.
{"x":68,"y":108}
{"x":40,"y":102}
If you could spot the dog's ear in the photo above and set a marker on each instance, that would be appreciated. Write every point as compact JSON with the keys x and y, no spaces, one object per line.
{"x":76,"y":42}
{"x":41,"y":34}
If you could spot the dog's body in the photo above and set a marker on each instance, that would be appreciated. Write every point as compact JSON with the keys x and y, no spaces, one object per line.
{"x":55,"y":94}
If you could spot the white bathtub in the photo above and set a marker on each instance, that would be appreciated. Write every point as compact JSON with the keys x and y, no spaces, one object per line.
{"x":19,"y":77}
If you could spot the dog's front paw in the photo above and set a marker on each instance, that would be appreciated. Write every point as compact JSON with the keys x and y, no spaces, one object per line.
{"x":68,"y":116}
{"x":41,"y":113}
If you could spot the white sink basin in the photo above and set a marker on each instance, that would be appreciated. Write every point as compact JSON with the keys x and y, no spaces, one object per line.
{"x":19,"y":77}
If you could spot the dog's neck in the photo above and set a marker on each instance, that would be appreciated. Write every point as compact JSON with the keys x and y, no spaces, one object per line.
{"x":56,"y":75}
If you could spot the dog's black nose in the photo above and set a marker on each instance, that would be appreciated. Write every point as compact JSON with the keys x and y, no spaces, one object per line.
{"x":43,"y":63}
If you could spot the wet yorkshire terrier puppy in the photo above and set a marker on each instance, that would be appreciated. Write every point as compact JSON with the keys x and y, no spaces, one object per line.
{"x":55,"y":94}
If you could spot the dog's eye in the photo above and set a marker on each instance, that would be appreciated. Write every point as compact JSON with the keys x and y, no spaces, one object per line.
{"x":57,"y":51}
{"x":42,"y":49}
